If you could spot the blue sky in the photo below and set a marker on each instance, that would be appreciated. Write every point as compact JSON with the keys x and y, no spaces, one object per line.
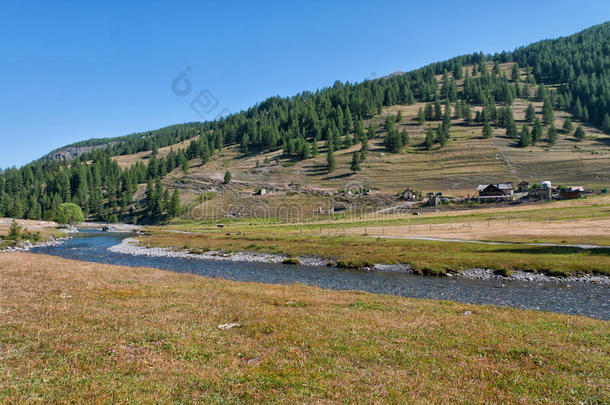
{"x":71,"y":71}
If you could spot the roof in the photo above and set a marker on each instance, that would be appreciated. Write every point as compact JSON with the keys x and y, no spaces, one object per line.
{"x":501,"y":186}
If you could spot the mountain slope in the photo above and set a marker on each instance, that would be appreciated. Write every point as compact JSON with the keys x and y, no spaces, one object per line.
{"x":457,"y":99}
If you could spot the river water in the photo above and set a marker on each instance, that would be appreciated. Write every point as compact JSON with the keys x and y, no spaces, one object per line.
{"x":587,"y":299}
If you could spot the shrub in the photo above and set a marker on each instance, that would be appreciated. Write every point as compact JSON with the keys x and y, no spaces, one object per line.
{"x":291,"y":261}
{"x":437,"y":271}
{"x":502,"y":272}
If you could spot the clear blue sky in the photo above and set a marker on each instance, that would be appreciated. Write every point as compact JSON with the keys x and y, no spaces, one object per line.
{"x":76,"y":70}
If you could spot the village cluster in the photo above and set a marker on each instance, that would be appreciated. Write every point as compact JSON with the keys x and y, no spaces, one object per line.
{"x":503,"y":192}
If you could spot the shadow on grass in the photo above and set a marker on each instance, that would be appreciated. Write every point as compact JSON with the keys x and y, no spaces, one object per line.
{"x":338,"y":176}
{"x":553,"y":250}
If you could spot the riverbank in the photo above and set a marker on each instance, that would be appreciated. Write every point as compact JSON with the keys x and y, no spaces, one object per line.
{"x":133,"y":246}
{"x":26,"y":246}
{"x":83,"y":332}
{"x":423,"y":256}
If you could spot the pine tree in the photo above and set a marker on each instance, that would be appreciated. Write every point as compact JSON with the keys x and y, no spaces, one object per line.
{"x":185,"y":166}
{"x":314,"y":148}
{"x":438,"y":110}
{"x":355,"y":164}
{"x":487,"y":130}
{"x":547,"y":112}
{"x":606,"y":123}
{"x":173,"y":209}
{"x":515,"y":73}
{"x":389,"y":123}
{"x":526,"y":139}
{"x":404,"y":137}
{"x":228,"y":177}
{"x":429,"y":142}
{"x":530,"y":113}
{"x":551,"y":136}
{"x":511,"y":126}
{"x":447,"y":116}
{"x":429,"y":112}
{"x":154,"y":150}
{"x":421,"y":117}
{"x":578,"y":110}
{"x":347,"y":142}
{"x":580,"y":133}
{"x":371,"y":131}
{"x":537,"y":131}
{"x":567,"y":125}
{"x":331,"y":164}
{"x":365,"y":143}
{"x":468,"y":114}
{"x":359,"y":130}
{"x":349,"y":123}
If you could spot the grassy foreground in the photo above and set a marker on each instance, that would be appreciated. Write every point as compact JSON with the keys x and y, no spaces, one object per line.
{"x":90,"y":333}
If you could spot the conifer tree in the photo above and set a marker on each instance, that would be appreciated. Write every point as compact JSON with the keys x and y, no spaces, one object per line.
{"x":371,"y":131}
{"x":438,"y":110}
{"x":530,"y":113}
{"x":547,"y":112}
{"x":429,"y":112}
{"x":567,"y":125}
{"x":606,"y":123}
{"x":487,"y":130}
{"x":526,"y":139}
{"x":511,"y":126}
{"x":355,"y":164}
{"x":347,"y":142}
{"x":228,"y":177}
{"x":314,"y":148}
{"x":365,"y":143}
{"x":468,"y":114}
{"x":580,"y":133}
{"x":551,"y":136}
{"x":331,"y":164}
{"x":537,"y":131}
{"x":515,"y":73}
{"x":173,"y":209}
{"x":429,"y":141}
{"x":421,"y":117}
{"x":404,"y":137}
{"x":185,"y":166}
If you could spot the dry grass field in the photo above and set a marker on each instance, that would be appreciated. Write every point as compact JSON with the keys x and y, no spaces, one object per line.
{"x":73,"y":332}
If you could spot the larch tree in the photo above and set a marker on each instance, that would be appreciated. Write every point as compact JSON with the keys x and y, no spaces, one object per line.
{"x":331,"y":164}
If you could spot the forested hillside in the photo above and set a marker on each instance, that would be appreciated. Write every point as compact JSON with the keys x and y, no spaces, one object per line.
{"x":571,"y":75}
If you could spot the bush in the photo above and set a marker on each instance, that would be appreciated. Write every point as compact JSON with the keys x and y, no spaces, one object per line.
{"x":347,"y":264}
{"x":502,"y":272}
{"x":291,"y":261}
{"x":436,"y":271}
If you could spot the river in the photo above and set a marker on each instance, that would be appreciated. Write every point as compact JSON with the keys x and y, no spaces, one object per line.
{"x":578,"y":298}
